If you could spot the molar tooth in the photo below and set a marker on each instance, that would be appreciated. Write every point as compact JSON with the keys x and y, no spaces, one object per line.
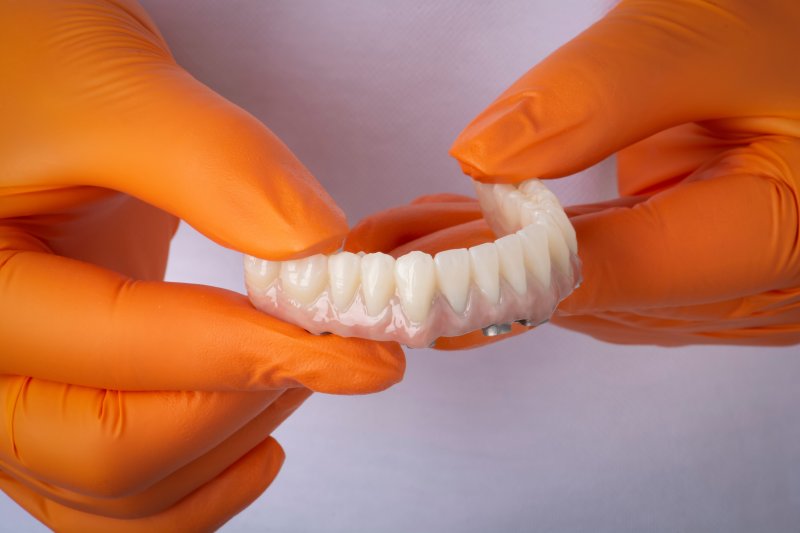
{"x":452,"y":272}
{"x":377,"y":281}
{"x":415,"y":275}
{"x":531,"y":187}
{"x":304,"y":279}
{"x":511,"y":206}
{"x":500,"y":191}
{"x":344,"y":273}
{"x":536,"y":252}
{"x":485,"y":195}
{"x":486,"y":270}
{"x":260,"y":272}
{"x":527,"y":214}
{"x":512,"y":262}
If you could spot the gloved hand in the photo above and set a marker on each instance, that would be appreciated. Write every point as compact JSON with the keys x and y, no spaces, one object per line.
{"x":701,"y":101}
{"x":130,"y":404}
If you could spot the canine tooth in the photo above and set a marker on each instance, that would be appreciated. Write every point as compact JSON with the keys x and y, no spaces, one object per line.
{"x":304,"y":279}
{"x":512,"y":262}
{"x":260,"y":272}
{"x":377,"y":281}
{"x":344,"y":273}
{"x":486,"y":270}
{"x":536,"y":252}
{"x":415,"y":275}
{"x":452,"y":273}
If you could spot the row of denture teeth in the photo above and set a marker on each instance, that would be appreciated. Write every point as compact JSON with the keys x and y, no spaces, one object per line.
{"x":546,"y":237}
{"x":508,"y":208}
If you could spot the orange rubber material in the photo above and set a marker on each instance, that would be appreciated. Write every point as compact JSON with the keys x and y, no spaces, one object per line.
{"x":701,"y":103}
{"x":130,"y":404}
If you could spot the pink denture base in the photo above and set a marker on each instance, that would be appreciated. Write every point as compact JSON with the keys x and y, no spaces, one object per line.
{"x":536,"y":305}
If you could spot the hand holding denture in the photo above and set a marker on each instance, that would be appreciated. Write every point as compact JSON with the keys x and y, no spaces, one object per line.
{"x":126,"y":397}
{"x":701,"y":103}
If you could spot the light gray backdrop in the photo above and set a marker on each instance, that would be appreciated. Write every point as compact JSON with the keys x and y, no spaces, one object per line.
{"x":548,"y":432}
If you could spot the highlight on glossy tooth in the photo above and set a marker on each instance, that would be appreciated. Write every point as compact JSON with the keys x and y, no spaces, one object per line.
{"x":416,"y":299}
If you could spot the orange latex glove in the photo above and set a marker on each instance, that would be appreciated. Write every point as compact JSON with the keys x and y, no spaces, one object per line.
{"x":701,"y":101}
{"x":130,"y":404}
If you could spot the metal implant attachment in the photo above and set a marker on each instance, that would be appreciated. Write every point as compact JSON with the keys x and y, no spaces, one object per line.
{"x":496,"y":329}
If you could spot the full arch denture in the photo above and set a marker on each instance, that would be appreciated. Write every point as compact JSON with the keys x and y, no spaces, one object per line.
{"x":416,"y":298}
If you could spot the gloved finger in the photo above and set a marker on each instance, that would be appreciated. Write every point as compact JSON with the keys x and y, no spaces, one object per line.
{"x":116,"y":333}
{"x":132,"y":120}
{"x":666,"y":158}
{"x":394,"y":227}
{"x":726,"y":232}
{"x":442,"y":198}
{"x":459,"y":236}
{"x":205,"y":509}
{"x":173,"y":486}
{"x":585,"y":209}
{"x":636,"y":72}
{"x":139,"y":436}
{"x":633,"y":328}
{"x":475,"y":339}
{"x":101,"y":233}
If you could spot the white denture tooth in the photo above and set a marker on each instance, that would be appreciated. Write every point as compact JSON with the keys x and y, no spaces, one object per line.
{"x":527,"y":213}
{"x":537,"y":193}
{"x":304,"y":279}
{"x":377,"y":281}
{"x":559,"y":251}
{"x":344,"y":275}
{"x":536,"y":252}
{"x":565,"y":226}
{"x":501,"y":190}
{"x":260,"y":272}
{"x":511,"y":208}
{"x":452,"y":273}
{"x":485,"y":266}
{"x":485,"y":196}
{"x":512,"y":262}
{"x":415,"y":275}
{"x":532,"y":186}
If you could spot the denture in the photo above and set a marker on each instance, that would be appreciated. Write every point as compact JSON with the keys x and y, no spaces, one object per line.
{"x":417,"y":298}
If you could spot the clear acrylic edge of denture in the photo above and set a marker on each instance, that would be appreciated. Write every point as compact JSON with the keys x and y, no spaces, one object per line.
{"x":507,"y":210}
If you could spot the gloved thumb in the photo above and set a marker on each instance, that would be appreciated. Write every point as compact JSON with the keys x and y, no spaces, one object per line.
{"x":209,"y":162}
{"x":645,"y":67}
{"x":96,"y":99}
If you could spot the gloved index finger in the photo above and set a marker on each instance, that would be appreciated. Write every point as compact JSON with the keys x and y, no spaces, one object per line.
{"x":108,"y":331}
{"x":644,"y":67}
{"x":727,"y":232}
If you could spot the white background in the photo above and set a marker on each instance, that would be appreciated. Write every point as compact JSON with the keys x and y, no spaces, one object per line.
{"x":551,"y":431}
